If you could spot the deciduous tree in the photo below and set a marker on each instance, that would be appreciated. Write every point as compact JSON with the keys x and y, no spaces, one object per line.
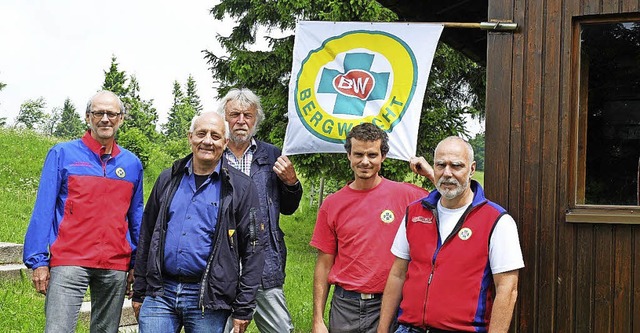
{"x":477,"y":142}
{"x":50,"y":121}
{"x":31,"y":113}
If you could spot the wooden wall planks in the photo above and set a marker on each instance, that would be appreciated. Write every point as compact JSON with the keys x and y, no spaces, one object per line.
{"x":578,"y":277}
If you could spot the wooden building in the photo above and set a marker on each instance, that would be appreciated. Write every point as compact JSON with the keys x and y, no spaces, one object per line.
{"x":562,"y":149}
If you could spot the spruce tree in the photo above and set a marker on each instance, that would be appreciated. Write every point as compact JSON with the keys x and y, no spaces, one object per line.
{"x":71,"y":125}
{"x":140,"y":113}
{"x":115,"y":80}
{"x":192,"y":95}
{"x":180,"y":115}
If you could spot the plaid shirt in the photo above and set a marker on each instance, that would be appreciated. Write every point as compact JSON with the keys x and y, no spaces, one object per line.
{"x":244,"y":162}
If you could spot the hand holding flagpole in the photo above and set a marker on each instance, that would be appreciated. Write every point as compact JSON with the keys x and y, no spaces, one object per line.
{"x":420,"y":166}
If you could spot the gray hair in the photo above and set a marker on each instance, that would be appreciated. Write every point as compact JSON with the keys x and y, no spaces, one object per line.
{"x":192,"y":127}
{"x":105,"y":92}
{"x":246,"y":98}
{"x":457,"y":138}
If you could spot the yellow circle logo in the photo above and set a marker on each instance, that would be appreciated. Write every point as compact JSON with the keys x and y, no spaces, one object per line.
{"x":120,"y":172}
{"x":357,"y":77}
{"x":387,"y":216}
{"x":465,"y":233}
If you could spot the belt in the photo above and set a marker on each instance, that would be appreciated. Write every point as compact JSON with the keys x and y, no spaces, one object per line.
{"x":352,"y":294}
{"x":183,"y":278}
{"x":414,"y":329}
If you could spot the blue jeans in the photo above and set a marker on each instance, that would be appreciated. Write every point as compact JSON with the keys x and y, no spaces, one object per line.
{"x":67,"y":287}
{"x":407,"y":329}
{"x":177,"y":308}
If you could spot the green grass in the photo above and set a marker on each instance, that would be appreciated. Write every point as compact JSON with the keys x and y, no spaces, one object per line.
{"x":21,"y":156}
{"x":22,"y":309}
{"x":301,"y":257}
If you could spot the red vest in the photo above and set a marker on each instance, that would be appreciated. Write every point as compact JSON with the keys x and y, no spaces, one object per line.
{"x":449,"y":286}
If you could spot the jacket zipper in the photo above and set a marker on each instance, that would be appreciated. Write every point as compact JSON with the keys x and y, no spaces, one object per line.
{"x":426,"y":296}
{"x":435,"y":255}
{"x":219,"y":227}
{"x":104,"y":163}
{"x":168,"y":195}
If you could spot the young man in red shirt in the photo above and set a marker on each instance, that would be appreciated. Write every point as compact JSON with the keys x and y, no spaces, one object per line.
{"x":353,"y":234}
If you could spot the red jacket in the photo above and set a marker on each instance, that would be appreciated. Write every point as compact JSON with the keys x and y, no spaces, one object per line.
{"x":88,"y":211}
{"x":449,"y":284}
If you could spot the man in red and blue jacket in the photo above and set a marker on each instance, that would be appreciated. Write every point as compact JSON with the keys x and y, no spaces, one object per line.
{"x":457,"y":255}
{"x":85,"y":223}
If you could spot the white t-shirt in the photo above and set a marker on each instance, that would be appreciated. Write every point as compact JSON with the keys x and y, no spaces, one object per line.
{"x":504,"y":246}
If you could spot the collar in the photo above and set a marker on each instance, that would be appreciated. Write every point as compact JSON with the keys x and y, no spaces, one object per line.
{"x":432,"y":199}
{"x":188,"y":168}
{"x":97,"y":147}
{"x":253,"y":146}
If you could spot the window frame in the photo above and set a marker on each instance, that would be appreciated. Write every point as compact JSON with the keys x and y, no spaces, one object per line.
{"x":588,"y":213}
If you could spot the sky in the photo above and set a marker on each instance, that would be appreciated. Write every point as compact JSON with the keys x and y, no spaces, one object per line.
{"x":59,"y":49}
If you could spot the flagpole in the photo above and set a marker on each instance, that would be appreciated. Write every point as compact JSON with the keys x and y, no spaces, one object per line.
{"x":494,"y":26}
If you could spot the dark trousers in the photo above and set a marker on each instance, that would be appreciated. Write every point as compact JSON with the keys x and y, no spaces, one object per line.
{"x":351,"y":314}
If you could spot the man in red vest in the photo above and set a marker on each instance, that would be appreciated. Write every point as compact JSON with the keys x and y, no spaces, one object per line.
{"x":457,"y":254}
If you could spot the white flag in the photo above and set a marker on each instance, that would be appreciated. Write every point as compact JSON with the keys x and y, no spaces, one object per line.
{"x":347,"y":73}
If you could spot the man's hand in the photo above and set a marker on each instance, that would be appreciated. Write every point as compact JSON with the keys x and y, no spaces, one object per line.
{"x":239,"y":325}
{"x":285,"y":170}
{"x":129,"y":291}
{"x":420,"y":166}
{"x":319,"y":327}
{"x":136,"y":309}
{"x":40,"y":278}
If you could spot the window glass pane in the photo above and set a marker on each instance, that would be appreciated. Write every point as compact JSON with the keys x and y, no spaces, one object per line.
{"x":610,"y":78}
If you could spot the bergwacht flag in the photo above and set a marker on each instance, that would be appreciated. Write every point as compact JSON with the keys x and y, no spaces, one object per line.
{"x":347,"y":73}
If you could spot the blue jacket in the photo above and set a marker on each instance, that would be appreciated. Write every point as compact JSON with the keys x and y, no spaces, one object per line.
{"x":275,"y":198}
{"x":237,"y":241}
{"x":87,"y":211}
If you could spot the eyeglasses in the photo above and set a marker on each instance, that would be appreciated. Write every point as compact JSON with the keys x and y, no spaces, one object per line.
{"x":97,"y":115}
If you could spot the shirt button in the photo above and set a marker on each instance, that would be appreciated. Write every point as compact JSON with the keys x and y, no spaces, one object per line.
{"x":184,"y":234}
{"x":193,"y":200}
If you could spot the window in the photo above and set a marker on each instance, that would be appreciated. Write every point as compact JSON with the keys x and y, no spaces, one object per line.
{"x":607,"y":127}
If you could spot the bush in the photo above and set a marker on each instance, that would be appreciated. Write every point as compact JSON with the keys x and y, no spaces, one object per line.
{"x":176,"y":148}
{"x":134,"y":140}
